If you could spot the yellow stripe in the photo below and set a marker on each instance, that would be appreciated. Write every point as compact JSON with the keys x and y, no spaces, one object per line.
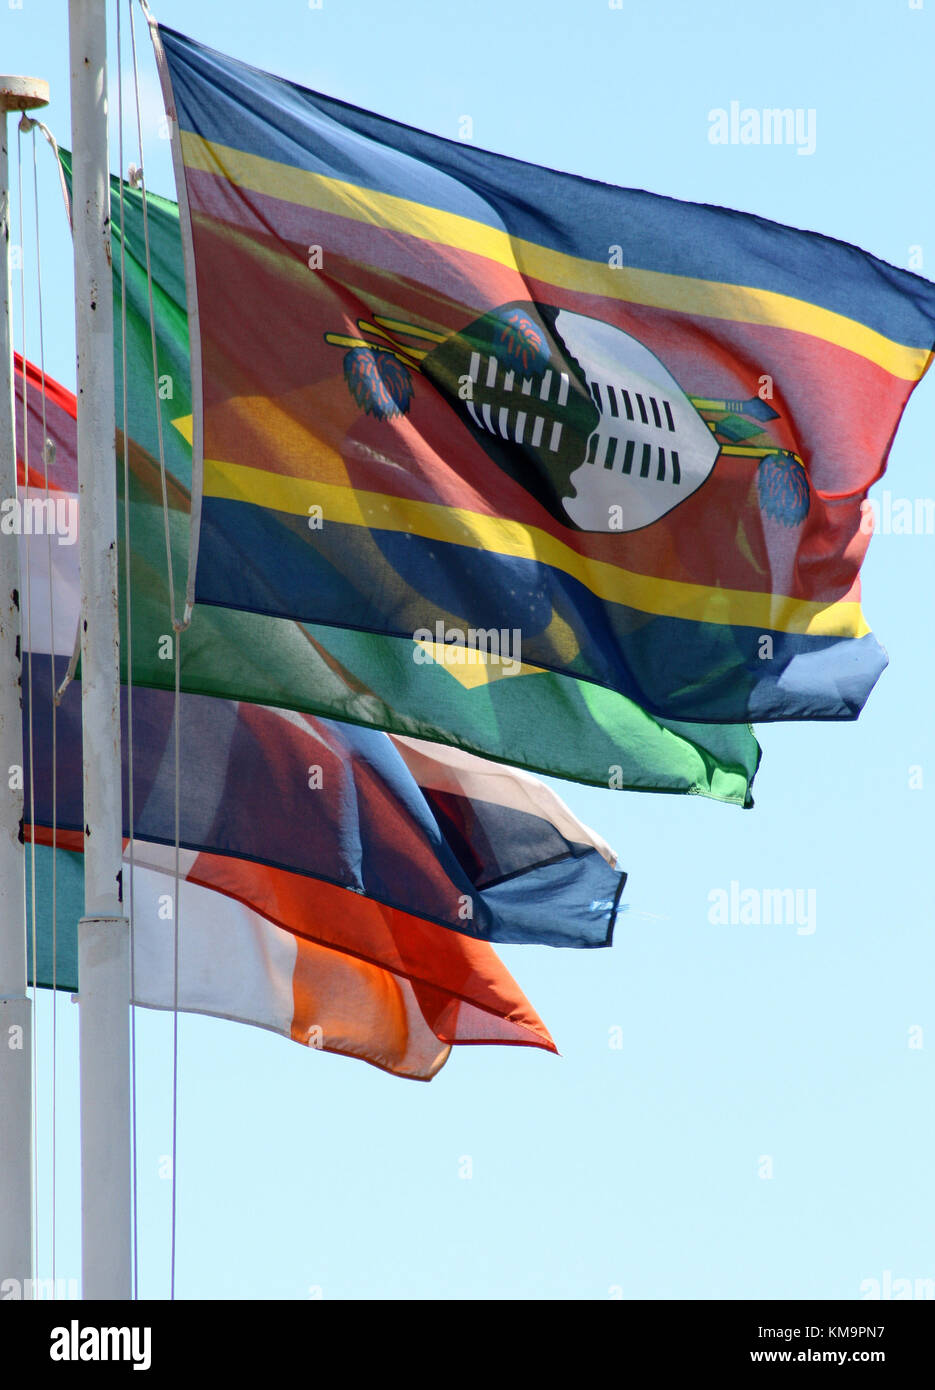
{"x":409,"y":329}
{"x":471,"y":668}
{"x":663,"y":597}
{"x":372,"y":328}
{"x":743,"y":451}
{"x":400,"y":353}
{"x":651,"y":288}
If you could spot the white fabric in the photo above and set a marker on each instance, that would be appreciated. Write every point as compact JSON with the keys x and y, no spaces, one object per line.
{"x":464,"y":774}
{"x":233,"y":963}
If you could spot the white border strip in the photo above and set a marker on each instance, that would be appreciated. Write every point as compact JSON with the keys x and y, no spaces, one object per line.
{"x":449,"y":769}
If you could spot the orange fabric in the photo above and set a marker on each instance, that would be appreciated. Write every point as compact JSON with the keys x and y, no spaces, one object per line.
{"x":349,"y":1006}
{"x":378,"y":984}
{"x":345,"y":1005}
{"x":464,"y":991}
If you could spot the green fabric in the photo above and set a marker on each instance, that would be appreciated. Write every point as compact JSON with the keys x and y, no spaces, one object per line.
{"x":545,"y":722}
{"x":69,"y":902}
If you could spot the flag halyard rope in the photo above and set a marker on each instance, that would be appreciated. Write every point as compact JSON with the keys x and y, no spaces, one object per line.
{"x":191,"y":295}
{"x":178,"y":627}
{"x":128,"y":609}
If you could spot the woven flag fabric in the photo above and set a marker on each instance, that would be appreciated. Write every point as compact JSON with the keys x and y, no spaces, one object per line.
{"x":267,"y":943}
{"x":236,"y":964}
{"x":449,"y":397}
{"x":55,"y":453}
{"x":474,"y":848}
{"x":486,"y":851}
{"x":532,"y":718}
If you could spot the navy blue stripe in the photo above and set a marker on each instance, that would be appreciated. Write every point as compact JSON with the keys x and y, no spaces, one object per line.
{"x":393,"y":583}
{"x":585,"y":888}
{"x":232,"y":103}
{"x":368,"y":828}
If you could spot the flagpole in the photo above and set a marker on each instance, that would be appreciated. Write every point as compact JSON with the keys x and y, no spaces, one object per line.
{"x":103,"y":935}
{"x":16,"y":1147}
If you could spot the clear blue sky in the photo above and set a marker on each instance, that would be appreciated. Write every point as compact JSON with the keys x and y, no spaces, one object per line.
{"x":635,"y":1169}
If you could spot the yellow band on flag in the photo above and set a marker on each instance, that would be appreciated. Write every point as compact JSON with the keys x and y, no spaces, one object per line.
{"x":647,"y":288}
{"x":668,"y":598}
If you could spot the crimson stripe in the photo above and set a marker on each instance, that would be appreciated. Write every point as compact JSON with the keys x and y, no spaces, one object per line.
{"x":725,"y":511}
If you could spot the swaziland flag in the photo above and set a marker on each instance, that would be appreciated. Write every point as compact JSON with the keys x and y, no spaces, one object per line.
{"x":447,"y":396}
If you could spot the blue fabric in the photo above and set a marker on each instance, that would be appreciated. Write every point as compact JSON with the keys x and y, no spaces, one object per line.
{"x":672,"y":667}
{"x":368,"y":826}
{"x":234,"y":104}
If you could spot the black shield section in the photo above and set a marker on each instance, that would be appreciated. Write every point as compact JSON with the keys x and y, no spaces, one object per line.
{"x":508,"y":365}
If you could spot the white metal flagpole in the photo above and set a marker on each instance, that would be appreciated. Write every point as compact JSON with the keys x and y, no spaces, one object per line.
{"x":103,"y":933}
{"x":16,"y":1191}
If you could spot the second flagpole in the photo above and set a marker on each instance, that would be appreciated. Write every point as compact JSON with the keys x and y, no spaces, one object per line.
{"x":103,"y":933}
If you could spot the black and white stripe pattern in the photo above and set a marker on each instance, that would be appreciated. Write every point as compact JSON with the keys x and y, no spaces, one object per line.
{"x":520,"y":423}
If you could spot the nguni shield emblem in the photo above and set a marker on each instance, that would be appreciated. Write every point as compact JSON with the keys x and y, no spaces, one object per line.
{"x":577,"y":411}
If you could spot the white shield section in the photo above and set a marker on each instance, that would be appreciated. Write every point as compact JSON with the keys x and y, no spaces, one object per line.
{"x":651,"y":448}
